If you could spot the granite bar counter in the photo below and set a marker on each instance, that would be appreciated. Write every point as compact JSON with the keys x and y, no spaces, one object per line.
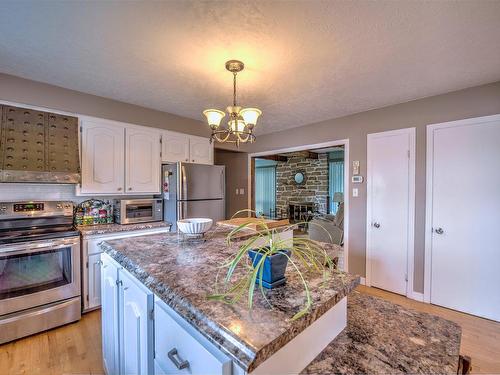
{"x":384,"y":338}
{"x":182,"y":274}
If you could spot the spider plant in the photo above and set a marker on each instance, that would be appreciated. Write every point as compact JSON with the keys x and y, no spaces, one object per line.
{"x":306,"y":257}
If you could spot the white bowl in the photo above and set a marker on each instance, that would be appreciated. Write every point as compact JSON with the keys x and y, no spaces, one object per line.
{"x":195,"y":225}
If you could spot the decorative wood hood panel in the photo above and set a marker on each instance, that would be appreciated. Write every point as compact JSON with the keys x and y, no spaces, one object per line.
{"x":38,"y":146}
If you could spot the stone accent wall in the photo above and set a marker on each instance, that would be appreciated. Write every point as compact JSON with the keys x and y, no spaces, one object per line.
{"x":315,"y":188}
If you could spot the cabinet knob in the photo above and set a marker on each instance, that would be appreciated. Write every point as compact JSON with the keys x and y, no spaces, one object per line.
{"x":376,"y":225}
{"x":130,"y":188}
{"x":192,"y":160}
{"x":187,"y":159}
{"x":119,"y":189}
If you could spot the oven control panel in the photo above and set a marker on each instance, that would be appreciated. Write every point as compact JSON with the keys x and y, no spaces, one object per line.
{"x":23,"y":207}
{"x":13,"y":210}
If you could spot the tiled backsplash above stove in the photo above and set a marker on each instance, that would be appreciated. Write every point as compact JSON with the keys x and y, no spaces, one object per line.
{"x":41,"y":192}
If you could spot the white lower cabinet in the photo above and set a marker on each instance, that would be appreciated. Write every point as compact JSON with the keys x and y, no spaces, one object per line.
{"x":136,"y":330}
{"x":91,"y":259}
{"x":142,"y":335}
{"x":94,"y":285}
{"x":109,"y":316}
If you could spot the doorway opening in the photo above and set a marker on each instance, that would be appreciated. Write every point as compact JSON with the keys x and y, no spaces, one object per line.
{"x":305,"y":185}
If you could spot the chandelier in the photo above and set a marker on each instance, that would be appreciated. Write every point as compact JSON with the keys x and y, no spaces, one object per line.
{"x":241,"y":122}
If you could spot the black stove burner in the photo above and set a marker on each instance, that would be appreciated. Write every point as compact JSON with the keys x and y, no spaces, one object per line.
{"x":37,"y":233}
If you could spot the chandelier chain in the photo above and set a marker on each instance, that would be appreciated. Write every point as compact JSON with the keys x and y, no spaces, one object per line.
{"x":234,"y":89}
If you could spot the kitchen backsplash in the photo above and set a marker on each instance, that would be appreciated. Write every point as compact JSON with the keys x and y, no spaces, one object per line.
{"x":45,"y":192}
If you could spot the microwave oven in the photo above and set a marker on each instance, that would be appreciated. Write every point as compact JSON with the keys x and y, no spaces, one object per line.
{"x":131,"y":211}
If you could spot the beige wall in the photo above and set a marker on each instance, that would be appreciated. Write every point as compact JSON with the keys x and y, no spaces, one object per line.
{"x":236,"y":178}
{"x":472,"y":102}
{"x":23,"y":91}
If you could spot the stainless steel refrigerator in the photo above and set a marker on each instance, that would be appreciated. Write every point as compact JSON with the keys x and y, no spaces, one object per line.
{"x":193,"y":190}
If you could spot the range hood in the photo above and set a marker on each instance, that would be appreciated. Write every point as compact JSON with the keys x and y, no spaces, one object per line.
{"x":38,"y":147}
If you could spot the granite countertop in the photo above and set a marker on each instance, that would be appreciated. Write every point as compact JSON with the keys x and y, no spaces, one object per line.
{"x":385,"y":338}
{"x":92,"y":230}
{"x":183,"y":274}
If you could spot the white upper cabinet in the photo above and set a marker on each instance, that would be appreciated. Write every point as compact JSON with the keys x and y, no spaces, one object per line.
{"x":142,"y":160}
{"x":119,"y":158}
{"x":200,"y":150}
{"x":186,"y":148}
{"x":102,"y":157}
{"x":125,"y":159}
{"x":175,"y":147}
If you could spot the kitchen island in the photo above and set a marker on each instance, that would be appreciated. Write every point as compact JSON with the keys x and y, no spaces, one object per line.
{"x":175,"y":277}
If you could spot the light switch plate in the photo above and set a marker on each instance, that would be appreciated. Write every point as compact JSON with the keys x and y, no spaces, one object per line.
{"x":237,"y":191}
{"x":355,"y":167}
{"x":242,"y":191}
{"x":355,"y":192}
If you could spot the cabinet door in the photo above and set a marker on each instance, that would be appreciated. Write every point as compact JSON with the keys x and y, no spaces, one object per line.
{"x":142,"y":161}
{"x":175,"y":147}
{"x":109,"y":316}
{"x":200,"y":150}
{"x":102,"y":157}
{"x":137,"y":335}
{"x":94,"y":289}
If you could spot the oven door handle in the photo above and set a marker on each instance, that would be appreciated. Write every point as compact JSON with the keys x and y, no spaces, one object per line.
{"x":25,"y":248}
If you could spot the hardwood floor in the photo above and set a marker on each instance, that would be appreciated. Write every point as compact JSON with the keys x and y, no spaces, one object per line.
{"x":72,"y":349}
{"x":76,"y":348}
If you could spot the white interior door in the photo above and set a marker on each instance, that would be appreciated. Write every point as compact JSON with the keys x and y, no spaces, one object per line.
{"x":390,"y":210}
{"x":463,"y":215}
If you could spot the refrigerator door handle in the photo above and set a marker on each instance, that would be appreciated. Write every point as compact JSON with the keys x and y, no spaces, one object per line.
{"x":222,"y":181}
{"x":183,"y":182}
{"x":182,"y":210}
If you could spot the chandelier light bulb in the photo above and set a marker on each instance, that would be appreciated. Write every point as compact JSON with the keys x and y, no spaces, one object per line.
{"x":214,"y":117}
{"x":250,"y":115}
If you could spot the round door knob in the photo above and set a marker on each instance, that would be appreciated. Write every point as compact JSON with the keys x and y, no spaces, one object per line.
{"x":376,"y":225}
{"x":439,"y":230}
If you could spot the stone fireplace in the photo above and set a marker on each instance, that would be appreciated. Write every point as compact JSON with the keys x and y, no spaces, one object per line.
{"x":315,"y":186}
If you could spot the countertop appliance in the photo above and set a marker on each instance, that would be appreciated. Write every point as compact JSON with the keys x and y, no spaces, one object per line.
{"x":39,"y":268}
{"x":193,"y":191}
{"x":132,"y":211}
{"x":39,"y":147}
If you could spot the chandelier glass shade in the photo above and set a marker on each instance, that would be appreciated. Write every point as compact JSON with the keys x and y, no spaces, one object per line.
{"x":242,"y":121}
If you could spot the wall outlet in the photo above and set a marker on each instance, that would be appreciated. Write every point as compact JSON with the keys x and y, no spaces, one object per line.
{"x":242,"y":191}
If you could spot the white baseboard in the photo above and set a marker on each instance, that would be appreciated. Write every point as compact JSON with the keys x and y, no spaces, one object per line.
{"x":416,"y":296}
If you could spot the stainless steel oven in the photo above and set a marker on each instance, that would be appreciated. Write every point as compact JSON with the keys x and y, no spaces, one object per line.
{"x":39,"y":268}
{"x":129,"y":211}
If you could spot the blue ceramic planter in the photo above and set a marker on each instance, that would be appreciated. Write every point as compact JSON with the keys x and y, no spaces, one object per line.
{"x":273,"y":274}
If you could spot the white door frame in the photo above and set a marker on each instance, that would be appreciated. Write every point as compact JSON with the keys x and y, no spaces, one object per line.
{"x":410,"y":268}
{"x":341,"y":142}
{"x":429,"y":193}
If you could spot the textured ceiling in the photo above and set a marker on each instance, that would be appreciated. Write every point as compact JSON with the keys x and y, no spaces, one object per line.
{"x":305,"y":61}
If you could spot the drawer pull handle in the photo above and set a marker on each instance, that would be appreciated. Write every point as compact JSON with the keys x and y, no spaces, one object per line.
{"x":179,"y":363}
